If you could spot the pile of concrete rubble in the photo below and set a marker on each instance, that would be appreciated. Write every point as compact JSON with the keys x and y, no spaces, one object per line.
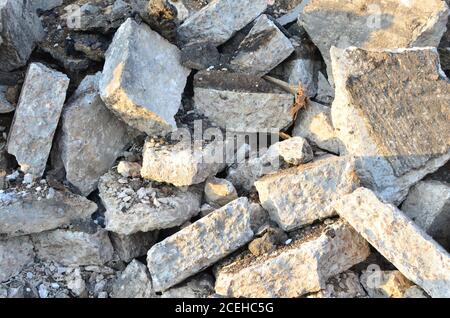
{"x":215,"y":148}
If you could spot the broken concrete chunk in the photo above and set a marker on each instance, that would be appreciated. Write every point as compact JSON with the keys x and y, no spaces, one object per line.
{"x":142,"y":80}
{"x":325,"y":93}
{"x":218,"y":21}
{"x":27,"y":211}
{"x":302,"y":267}
{"x":344,"y":285}
{"x":373,"y":24}
{"x":428,"y":205}
{"x":15,"y":254}
{"x":301,"y":195}
{"x":20,"y":30}
{"x":378,"y":115}
{"x":293,"y":151}
{"x":314,"y":123}
{"x":104,"y":17}
{"x":91,"y":137}
{"x":183,"y":164}
{"x":134,"y":245}
{"x":200,"y":56}
{"x":389,"y":284}
{"x":200,"y":286}
{"x":219,"y":192}
{"x":415,"y":254}
{"x":133,"y":282}
{"x":262,"y":49}
{"x":145,"y":207}
{"x":129,"y":169}
{"x":36,"y":117}
{"x":5,"y":106}
{"x":241,"y":102}
{"x":75,"y":247}
{"x":200,"y":245}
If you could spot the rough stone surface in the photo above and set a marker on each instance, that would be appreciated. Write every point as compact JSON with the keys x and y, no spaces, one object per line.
{"x":344,"y":285}
{"x":325,"y":93}
{"x":46,"y":4}
{"x":78,"y":248}
{"x":314,"y":123}
{"x":5,"y":105}
{"x":129,"y":169}
{"x":389,"y":284}
{"x":293,"y":151}
{"x":219,"y":192}
{"x":200,"y":245}
{"x":134,"y":245}
{"x":428,"y":205}
{"x":301,"y":195}
{"x":200,"y":286}
{"x":91,"y":137}
{"x":142,"y":80}
{"x":24,"y":211}
{"x":304,"y":266}
{"x":415,"y":254}
{"x":251,"y":103}
{"x":147,"y":208}
{"x":219,"y":21}
{"x":262,"y":49}
{"x":133,"y":282}
{"x":15,"y":254}
{"x":36,"y":117}
{"x":200,"y":56}
{"x":182,"y":164}
{"x":20,"y":29}
{"x":373,"y":24}
{"x":378,"y":115}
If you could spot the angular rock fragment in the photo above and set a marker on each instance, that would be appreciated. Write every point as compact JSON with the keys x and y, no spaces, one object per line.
{"x":36,"y":117}
{"x":325,"y":93}
{"x":250,"y":102}
{"x":74,"y":247}
{"x":27,"y":211}
{"x":183,"y":164}
{"x":389,"y":284}
{"x":134,"y":245}
{"x":91,"y":137}
{"x":293,"y":151}
{"x":200,"y":286}
{"x":219,"y":192}
{"x":200,"y":56}
{"x":104,"y":16}
{"x":314,"y":123}
{"x":428,"y":205}
{"x":373,"y":24}
{"x":301,"y":195}
{"x":142,"y":80}
{"x":302,"y":267}
{"x":165,"y":16}
{"x":415,"y":254}
{"x":20,"y":30}
{"x":219,"y":21}
{"x":5,"y":105}
{"x":200,"y":245}
{"x":344,"y":285}
{"x":129,"y":169}
{"x":379,"y":117}
{"x":133,"y":282}
{"x":140,"y":206}
{"x":15,"y":254}
{"x":262,"y":49}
